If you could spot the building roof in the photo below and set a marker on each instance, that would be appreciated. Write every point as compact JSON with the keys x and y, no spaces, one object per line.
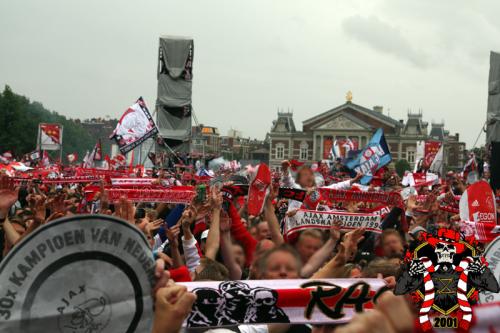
{"x":437,"y":131}
{"x":375,"y":114}
{"x":284,"y":123}
{"x":415,"y":121}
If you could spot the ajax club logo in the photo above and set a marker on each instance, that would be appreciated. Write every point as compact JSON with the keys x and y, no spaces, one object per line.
{"x":84,"y":310}
{"x":444,"y":274}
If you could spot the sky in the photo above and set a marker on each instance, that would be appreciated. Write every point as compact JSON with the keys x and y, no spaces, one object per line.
{"x":93,"y":58}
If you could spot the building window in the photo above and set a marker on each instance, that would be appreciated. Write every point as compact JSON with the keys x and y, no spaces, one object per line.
{"x":410,"y":156}
{"x":280,"y":151}
{"x":303,"y":151}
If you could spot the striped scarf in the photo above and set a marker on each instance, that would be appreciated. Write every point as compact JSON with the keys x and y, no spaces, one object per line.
{"x":429,"y":295}
{"x":462,"y":293}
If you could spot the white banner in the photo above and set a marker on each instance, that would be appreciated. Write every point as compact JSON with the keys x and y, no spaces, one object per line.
{"x":311,"y":219}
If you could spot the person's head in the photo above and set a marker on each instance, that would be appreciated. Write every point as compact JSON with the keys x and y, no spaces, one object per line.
{"x":391,"y":180}
{"x":308,"y":243}
{"x":203,"y":240}
{"x":263,"y":246}
{"x":210,"y":270}
{"x":253,"y":231}
{"x":263,"y":231}
{"x":350,"y":271}
{"x":281,"y":262}
{"x":239,"y":254}
{"x":383,"y":266}
{"x":305,"y":177}
{"x":392,"y":243}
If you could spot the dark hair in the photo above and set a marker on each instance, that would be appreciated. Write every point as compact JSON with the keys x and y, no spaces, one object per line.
{"x":212,"y":271}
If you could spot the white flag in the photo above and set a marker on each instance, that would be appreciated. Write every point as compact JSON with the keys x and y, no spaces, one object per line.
{"x":437,"y":163}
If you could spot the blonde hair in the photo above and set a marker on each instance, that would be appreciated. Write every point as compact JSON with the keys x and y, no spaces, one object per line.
{"x":314,"y":233}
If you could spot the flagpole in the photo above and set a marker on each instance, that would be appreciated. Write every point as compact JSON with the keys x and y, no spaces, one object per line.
{"x":61,"y":146}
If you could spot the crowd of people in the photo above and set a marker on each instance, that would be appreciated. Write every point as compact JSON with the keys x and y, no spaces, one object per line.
{"x":216,"y":239}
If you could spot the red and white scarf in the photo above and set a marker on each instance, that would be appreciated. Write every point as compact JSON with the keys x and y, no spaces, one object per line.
{"x":312,"y":219}
{"x":325,"y":301}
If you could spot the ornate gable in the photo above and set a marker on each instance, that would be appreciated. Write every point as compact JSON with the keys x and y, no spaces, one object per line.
{"x":342,"y":122}
{"x":366,"y":118}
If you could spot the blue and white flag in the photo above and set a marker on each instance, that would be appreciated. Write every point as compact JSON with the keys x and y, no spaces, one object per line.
{"x":374,"y":156}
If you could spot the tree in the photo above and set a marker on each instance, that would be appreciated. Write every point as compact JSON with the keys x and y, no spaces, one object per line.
{"x":402,"y":166}
{"x":19,"y":119}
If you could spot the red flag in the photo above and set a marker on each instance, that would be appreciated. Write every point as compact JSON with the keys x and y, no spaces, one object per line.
{"x":295,"y":165}
{"x":53,"y":131}
{"x":98,"y":151}
{"x":431,"y":149}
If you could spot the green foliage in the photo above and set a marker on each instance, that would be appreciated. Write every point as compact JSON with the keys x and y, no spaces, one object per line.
{"x":19,"y":119}
{"x":401,"y":166}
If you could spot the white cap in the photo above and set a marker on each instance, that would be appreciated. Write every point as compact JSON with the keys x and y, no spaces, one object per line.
{"x":204,"y":234}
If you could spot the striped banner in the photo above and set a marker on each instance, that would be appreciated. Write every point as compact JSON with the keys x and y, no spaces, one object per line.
{"x":280,"y":301}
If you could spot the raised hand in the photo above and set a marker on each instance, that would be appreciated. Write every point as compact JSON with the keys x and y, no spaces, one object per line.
{"x":125,"y":209}
{"x":173,"y":235}
{"x":411,"y":204}
{"x":335,"y":230}
{"x":225,"y":222}
{"x":273,"y":194}
{"x":155,"y":225}
{"x":351,"y":241}
{"x":216,"y":198}
{"x":57,"y":205}
{"x":38,"y":207}
{"x":173,"y":304}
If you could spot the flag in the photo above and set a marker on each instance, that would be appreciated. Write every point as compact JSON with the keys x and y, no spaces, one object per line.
{"x":45,"y":159}
{"x":18,"y":166}
{"x":120,"y":160}
{"x":6,"y":157}
{"x":35,"y":155}
{"x":374,"y":156}
{"x":202,"y":172}
{"x":87,"y":160}
{"x":341,"y":148}
{"x":347,"y":146}
{"x":72,"y":157}
{"x":470,"y":169}
{"x":335,"y":151}
{"x":50,"y":136}
{"x":431,"y":148}
{"x":437,"y":163}
{"x":295,"y":165}
{"x":98,"y":151}
{"x":106,"y":164}
{"x":135,"y":126}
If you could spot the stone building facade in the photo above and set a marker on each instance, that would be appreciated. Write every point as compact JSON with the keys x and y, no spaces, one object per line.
{"x":357,"y":123}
